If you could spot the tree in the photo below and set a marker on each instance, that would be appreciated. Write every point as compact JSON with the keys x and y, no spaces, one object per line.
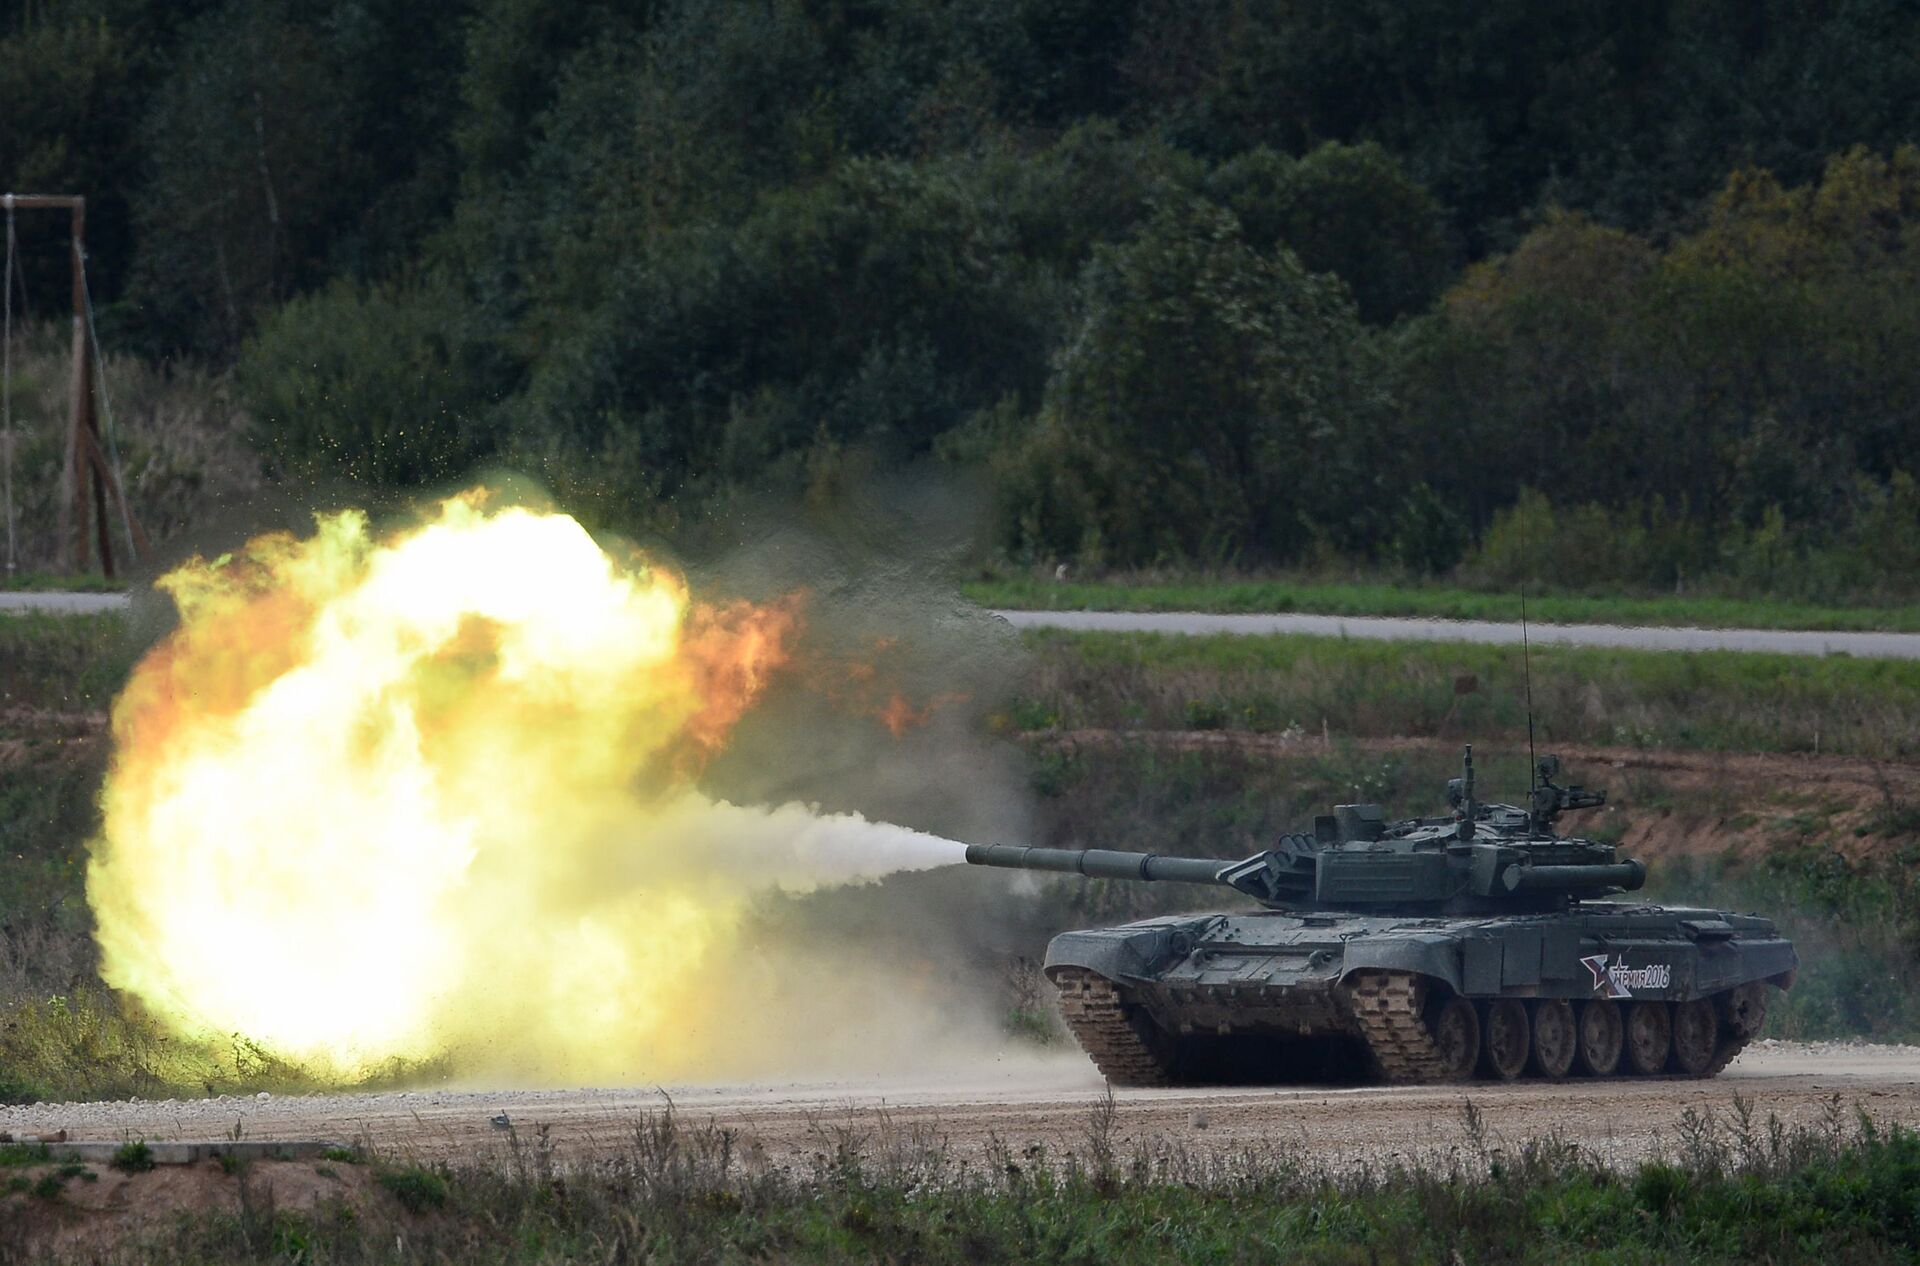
{"x":291,"y":143}
{"x":1213,"y":403}
{"x":71,"y":89}
{"x":1350,"y":210}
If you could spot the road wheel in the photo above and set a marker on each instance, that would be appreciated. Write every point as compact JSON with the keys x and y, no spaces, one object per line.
{"x":1456,"y":1035}
{"x":1601,"y":1036}
{"x":1696,"y":1035}
{"x":1743,"y":1009}
{"x":1505,"y":1039}
{"x":1554,"y":1038}
{"x":1649,"y":1037}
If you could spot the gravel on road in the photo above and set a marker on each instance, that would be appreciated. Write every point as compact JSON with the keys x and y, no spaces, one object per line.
{"x":1046,"y":1101}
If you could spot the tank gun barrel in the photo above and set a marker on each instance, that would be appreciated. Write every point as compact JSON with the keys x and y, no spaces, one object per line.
{"x":1099,"y":863}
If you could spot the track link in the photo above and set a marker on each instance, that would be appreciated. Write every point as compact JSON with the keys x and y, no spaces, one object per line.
{"x":1386,"y":1006}
{"x":1742,"y":1012}
{"x":1730,"y":1046}
{"x":1112,"y":1032}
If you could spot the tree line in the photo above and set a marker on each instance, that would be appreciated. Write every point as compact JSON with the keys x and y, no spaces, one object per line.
{"x":1622,"y":291}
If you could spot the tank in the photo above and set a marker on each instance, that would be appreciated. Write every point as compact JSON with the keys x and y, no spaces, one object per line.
{"x":1476,"y":944}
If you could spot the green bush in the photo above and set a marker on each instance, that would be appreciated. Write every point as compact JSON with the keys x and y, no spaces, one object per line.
{"x":1865,"y":552}
{"x":383,"y":387}
{"x":15,"y":1155}
{"x":418,"y":1190}
{"x":1175,"y":422}
{"x":133,"y":1157}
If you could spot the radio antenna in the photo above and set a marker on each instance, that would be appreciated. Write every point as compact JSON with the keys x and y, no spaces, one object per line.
{"x":1526,"y":650}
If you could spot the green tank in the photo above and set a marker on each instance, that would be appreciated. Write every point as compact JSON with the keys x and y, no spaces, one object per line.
{"x":1477,"y":944}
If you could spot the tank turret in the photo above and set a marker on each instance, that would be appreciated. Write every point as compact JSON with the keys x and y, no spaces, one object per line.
{"x":1478,"y":942}
{"x":1478,"y":859}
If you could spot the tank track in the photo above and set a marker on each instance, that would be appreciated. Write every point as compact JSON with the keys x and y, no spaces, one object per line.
{"x":1386,"y":1006}
{"x":1730,"y":1046}
{"x":1094,"y":1012}
{"x":1732,"y":1040}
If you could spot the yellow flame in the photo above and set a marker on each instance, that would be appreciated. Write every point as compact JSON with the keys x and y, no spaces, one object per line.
{"x":401,"y":797}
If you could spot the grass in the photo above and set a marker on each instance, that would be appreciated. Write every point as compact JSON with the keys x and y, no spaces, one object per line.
{"x":1319,"y":597}
{"x":177,"y":435}
{"x":58,"y":582}
{"x":1725,"y":1189}
{"x":416,"y":1187}
{"x":65,"y":662}
{"x":1714,"y":700}
{"x":93,"y":1044}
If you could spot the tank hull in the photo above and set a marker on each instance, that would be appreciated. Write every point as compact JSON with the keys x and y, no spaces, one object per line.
{"x":1147,"y":998}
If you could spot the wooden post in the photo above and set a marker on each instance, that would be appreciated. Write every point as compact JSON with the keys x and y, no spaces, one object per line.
{"x":74,"y":496}
{"x":88,"y":487}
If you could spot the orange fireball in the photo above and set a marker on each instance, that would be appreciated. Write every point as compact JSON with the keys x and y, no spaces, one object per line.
{"x":382,"y":796}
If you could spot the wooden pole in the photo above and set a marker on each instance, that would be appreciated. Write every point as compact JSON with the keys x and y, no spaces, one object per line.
{"x":81,"y":416}
{"x":88,"y":488}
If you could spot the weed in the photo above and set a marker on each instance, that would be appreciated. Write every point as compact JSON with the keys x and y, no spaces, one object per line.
{"x":1032,"y":1024}
{"x":18,"y":1154}
{"x":180,"y":434}
{"x":1206,"y":714}
{"x":133,"y":1157}
{"x":1100,"y":1151}
{"x":1740,"y":1190}
{"x":417,"y":1189}
{"x":65,"y":662}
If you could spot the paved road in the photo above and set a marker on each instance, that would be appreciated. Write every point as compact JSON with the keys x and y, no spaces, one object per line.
{"x":1394,"y":629}
{"x":1778,"y":641}
{"x":62,"y":603}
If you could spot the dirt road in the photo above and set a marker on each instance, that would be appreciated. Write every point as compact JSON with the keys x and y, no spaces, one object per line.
{"x":1050,"y":1101}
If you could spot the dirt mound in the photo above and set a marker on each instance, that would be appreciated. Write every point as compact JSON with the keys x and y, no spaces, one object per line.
{"x":54,"y":1211}
{"x":1662,"y":803}
{"x":32,"y":736}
